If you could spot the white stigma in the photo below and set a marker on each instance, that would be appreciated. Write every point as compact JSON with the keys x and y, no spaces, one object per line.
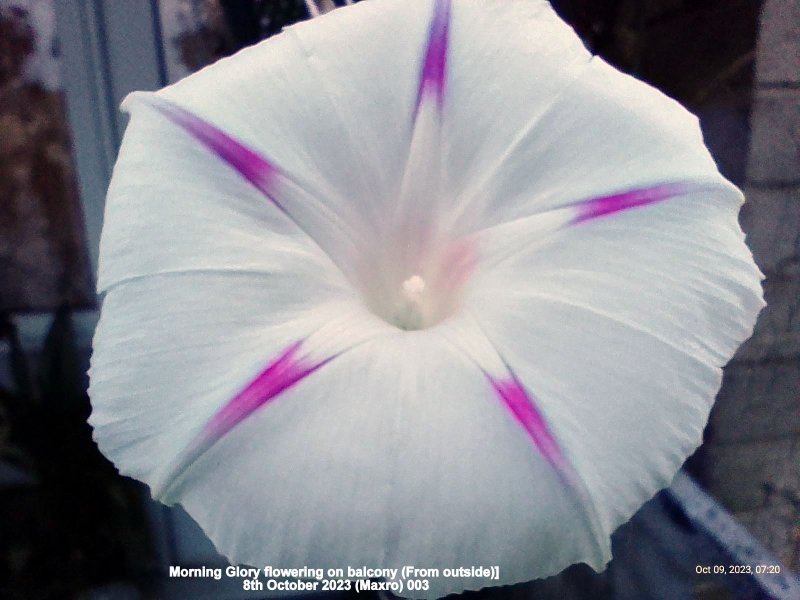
{"x":413,"y":288}
{"x":416,"y":290}
{"x":411,"y":313}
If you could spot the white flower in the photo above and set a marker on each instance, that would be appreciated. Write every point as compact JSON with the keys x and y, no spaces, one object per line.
{"x":415,"y":283}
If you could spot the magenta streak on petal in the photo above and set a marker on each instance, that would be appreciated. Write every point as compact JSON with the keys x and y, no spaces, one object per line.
{"x":246,"y":161}
{"x":434,"y":71}
{"x":609,"y":205}
{"x":282,"y":373}
{"x":524,"y":410}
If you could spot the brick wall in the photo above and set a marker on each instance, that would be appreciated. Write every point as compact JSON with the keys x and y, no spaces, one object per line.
{"x":753,"y":454}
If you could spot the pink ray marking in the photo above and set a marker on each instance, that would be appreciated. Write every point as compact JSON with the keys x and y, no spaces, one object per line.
{"x":458,"y":263}
{"x":247,"y":162}
{"x":434,"y":70}
{"x":282,"y":373}
{"x":524,"y":409}
{"x":608,"y":205}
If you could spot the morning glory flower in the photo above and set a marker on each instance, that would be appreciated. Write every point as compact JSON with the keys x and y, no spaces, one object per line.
{"x":415,"y":283}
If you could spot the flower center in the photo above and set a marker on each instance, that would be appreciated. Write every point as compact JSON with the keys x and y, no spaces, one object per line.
{"x":412,"y":310}
{"x":416,"y":290}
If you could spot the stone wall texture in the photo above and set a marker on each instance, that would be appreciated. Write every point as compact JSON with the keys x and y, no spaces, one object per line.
{"x":753,"y":450}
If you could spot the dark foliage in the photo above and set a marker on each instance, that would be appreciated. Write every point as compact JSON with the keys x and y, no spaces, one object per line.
{"x":70,"y":521}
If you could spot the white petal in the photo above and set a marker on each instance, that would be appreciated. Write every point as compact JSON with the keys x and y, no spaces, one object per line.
{"x":509,"y":62}
{"x":173,"y":206}
{"x":602,"y":132}
{"x":171,"y":350}
{"x":323,"y":100}
{"x":395,"y":453}
{"x":619,"y":326}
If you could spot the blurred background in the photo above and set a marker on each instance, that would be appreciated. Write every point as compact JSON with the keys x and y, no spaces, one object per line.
{"x":70,"y":527}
